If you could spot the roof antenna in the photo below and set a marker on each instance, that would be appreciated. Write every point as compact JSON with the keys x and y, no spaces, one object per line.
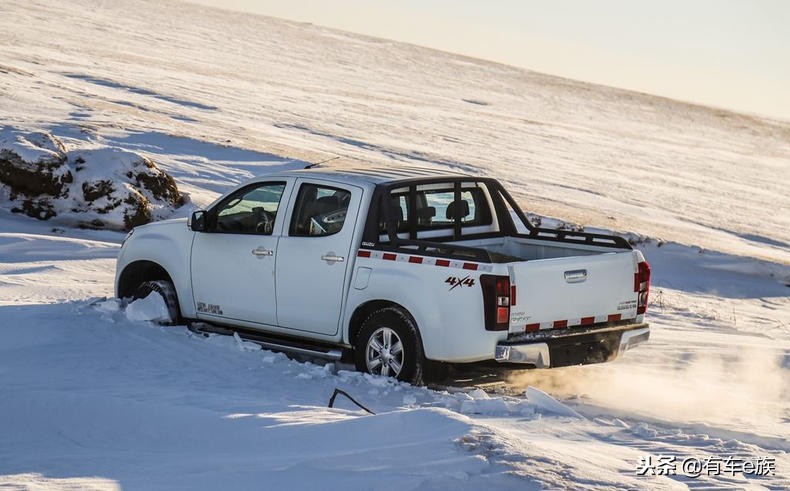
{"x":310,"y":166}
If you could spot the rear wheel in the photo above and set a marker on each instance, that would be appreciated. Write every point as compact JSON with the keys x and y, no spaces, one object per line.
{"x":389,"y":345}
{"x":167,"y":291}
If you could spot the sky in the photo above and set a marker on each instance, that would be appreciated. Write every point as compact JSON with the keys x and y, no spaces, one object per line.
{"x":733,"y":54}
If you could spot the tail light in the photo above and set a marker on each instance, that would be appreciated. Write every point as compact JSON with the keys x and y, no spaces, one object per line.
{"x":642,"y":286}
{"x":496,"y":301}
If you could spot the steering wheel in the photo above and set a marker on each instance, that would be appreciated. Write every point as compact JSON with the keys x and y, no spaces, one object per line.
{"x":334,"y":216}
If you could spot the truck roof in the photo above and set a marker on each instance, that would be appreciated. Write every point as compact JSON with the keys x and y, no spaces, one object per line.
{"x":357,"y":173}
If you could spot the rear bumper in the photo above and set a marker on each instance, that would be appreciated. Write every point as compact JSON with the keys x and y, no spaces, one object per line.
{"x":571,"y":347}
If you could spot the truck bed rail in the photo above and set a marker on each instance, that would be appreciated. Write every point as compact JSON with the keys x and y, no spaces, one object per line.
{"x":569,"y":236}
{"x":438,"y":249}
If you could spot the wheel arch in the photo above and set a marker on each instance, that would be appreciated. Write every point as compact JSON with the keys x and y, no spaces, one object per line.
{"x":137,"y":272}
{"x":364,"y":310}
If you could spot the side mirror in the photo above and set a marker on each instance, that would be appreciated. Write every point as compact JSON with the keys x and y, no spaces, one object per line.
{"x":197,"y":222}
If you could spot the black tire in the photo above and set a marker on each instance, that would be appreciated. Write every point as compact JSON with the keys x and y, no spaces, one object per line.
{"x":410,"y":359}
{"x":168,"y":293}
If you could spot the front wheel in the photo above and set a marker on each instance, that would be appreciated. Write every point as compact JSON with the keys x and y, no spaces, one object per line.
{"x":389,"y":345}
{"x":167,"y":291}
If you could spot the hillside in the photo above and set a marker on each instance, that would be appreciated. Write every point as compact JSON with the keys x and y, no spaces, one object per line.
{"x":95,"y":397}
{"x":662,"y":168}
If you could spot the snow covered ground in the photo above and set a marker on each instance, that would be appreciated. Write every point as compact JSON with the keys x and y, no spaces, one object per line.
{"x":92,"y":399}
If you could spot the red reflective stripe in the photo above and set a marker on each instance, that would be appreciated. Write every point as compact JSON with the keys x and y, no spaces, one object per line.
{"x":532,"y":327}
{"x":560,"y":324}
{"x":389,"y":256}
{"x":587,"y":321}
{"x":614,"y":317}
{"x":512,"y":295}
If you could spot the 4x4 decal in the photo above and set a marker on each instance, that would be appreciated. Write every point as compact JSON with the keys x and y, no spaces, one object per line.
{"x":455,"y":281}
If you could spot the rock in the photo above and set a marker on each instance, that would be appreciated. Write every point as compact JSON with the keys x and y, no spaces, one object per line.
{"x":34,"y":164}
{"x":94,"y":187}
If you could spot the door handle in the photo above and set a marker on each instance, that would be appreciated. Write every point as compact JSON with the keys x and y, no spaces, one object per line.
{"x":260,"y":251}
{"x":331,"y":258}
{"x":576,"y":276}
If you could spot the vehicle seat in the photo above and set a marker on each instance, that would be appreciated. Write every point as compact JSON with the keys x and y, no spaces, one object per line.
{"x":457,"y":209}
{"x":397,"y":212}
{"x":302,"y":221}
{"x":425,"y":215}
{"x":322,"y":205}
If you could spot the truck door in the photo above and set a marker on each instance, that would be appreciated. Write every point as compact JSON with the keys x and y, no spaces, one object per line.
{"x":313,"y":255}
{"x":233,"y":260}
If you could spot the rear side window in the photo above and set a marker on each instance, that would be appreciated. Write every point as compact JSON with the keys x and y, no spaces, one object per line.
{"x":441,"y":209}
{"x":319,"y":211}
{"x":438,"y":209}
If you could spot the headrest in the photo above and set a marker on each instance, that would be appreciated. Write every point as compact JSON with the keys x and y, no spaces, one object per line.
{"x":457,"y":209}
{"x":329,"y":201}
{"x":322,"y":205}
{"x":426,"y":213}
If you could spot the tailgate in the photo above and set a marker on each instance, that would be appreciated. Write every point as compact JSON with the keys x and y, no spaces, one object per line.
{"x":573,"y":291}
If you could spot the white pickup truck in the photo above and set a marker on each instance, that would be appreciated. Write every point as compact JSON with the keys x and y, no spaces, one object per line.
{"x":393,"y":267}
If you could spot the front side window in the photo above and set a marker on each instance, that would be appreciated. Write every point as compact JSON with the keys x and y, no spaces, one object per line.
{"x":251,"y":210}
{"x":319,"y":211}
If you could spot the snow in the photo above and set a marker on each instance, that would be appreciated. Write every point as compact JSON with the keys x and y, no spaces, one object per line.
{"x":31,"y":147}
{"x":549,"y":404}
{"x":151,"y":308}
{"x":94,"y":395}
{"x":219,"y":416}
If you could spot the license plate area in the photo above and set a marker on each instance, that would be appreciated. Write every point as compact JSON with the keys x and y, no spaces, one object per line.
{"x":598,"y":349}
